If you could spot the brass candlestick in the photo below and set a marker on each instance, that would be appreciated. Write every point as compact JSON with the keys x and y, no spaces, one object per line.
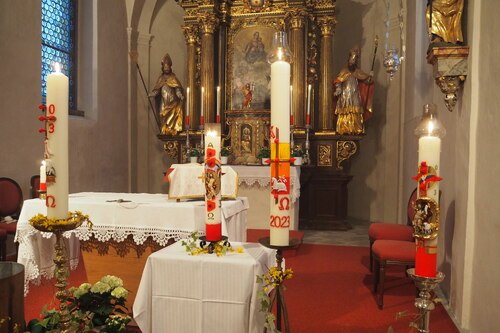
{"x":424,"y":302}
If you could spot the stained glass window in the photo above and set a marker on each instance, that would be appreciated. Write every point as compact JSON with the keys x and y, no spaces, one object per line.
{"x":58,"y":31}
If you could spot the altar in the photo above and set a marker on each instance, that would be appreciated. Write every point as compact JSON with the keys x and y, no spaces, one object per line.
{"x":253,"y":181}
{"x":127,"y":227}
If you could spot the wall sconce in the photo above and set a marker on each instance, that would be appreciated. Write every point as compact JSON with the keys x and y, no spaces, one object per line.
{"x":450,"y":70}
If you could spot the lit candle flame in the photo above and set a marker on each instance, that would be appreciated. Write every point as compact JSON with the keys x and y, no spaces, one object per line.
{"x":430,"y":128}
{"x":57,"y":67}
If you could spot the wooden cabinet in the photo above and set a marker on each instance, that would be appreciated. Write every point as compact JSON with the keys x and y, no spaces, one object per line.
{"x":323,"y":200}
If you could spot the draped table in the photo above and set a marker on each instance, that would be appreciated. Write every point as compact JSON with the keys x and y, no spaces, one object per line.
{"x":254,"y":183}
{"x":131,"y":219}
{"x":204,"y":293}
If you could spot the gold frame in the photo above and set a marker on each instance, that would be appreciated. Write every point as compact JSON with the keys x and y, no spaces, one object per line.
{"x":426,"y":223}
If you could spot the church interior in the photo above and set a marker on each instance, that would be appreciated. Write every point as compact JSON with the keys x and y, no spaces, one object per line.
{"x":127,"y":137}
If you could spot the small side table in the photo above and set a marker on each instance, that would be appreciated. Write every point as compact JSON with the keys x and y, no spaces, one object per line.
{"x":280,"y":298}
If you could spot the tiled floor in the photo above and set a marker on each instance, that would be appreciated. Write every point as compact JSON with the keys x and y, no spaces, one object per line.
{"x":357,"y":236}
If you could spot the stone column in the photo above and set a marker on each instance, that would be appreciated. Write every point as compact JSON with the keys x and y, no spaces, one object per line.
{"x":326,"y":26}
{"x":208,"y":22}
{"x":297,"y":46}
{"x":190,"y":33}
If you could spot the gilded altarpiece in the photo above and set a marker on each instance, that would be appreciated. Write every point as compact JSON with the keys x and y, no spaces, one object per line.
{"x":227,"y":44}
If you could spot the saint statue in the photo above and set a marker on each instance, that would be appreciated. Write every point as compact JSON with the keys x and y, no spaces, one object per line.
{"x":247,"y":96}
{"x":444,"y":19}
{"x":169,"y":95}
{"x":353,"y":93}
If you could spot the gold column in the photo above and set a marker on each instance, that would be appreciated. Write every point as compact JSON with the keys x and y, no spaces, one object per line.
{"x":297,"y":23}
{"x":208,"y":23}
{"x":327,"y":27}
{"x":190,"y":33}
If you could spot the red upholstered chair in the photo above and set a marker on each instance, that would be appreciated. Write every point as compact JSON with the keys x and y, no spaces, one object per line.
{"x":393,"y":231}
{"x":11,"y":200}
{"x":390,"y":252}
{"x":35,"y":186}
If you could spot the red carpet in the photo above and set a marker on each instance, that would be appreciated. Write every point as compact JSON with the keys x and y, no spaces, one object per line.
{"x":330,"y":292}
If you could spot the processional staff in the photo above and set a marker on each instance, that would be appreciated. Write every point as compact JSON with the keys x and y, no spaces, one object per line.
{"x":134,"y":56}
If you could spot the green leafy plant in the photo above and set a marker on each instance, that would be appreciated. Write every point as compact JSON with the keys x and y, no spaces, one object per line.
{"x":99,"y":305}
{"x":264,"y":152}
{"x":225,"y":151}
{"x":297,"y":152}
{"x":194,"y":152}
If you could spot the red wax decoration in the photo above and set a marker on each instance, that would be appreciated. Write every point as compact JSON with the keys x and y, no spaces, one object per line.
{"x":425,"y":260}
{"x":43,"y":187}
{"x":217,"y":119}
{"x":187,"y":120}
{"x":213,"y":232}
{"x":292,"y":122}
{"x":308,"y":120}
{"x":202,"y":120}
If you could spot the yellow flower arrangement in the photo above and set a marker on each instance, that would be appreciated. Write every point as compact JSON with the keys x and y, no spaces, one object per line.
{"x":271,"y":281}
{"x":220,"y":247}
{"x":74,"y":220}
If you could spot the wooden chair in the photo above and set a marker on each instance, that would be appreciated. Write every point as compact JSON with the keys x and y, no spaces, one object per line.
{"x":393,"y":231}
{"x":390,"y":252}
{"x":11,"y":200}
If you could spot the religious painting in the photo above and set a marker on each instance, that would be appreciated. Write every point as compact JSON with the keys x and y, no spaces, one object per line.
{"x":250,"y":73}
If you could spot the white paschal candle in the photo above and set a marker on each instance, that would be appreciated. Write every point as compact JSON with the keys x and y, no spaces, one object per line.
{"x":429,"y":149}
{"x":57,"y":135}
{"x":280,"y":119}
{"x":280,"y":98}
{"x":213,"y":226}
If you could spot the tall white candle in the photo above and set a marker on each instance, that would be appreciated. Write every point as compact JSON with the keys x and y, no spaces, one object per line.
{"x":429,"y":149}
{"x":57,"y":135}
{"x":213,"y":225}
{"x":309,"y":99}
{"x":201,"y":108}
{"x":280,"y":173}
{"x":43,"y":173}
{"x":188,"y":106}
{"x":280,"y":98}
{"x":218,"y":100}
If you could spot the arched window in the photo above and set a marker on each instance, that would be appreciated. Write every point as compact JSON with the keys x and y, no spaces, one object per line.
{"x":58,"y":42}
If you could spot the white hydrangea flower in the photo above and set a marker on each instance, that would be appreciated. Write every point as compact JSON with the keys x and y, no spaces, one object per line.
{"x":100,"y":287}
{"x":119,"y":292}
{"x":112,"y":281}
{"x":81,"y":290}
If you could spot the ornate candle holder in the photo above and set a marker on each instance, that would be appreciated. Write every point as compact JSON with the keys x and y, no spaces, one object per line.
{"x":307,"y":145}
{"x":211,"y":245}
{"x":61,"y":271}
{"x":424,"y":302}
{"x":280,"y":297}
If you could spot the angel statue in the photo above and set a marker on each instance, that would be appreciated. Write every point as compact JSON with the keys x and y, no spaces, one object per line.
{"x":169,"y":95}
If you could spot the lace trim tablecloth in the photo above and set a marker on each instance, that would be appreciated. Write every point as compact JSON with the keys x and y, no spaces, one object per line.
{"x":141,"y":215}
{"x":261,"y":176}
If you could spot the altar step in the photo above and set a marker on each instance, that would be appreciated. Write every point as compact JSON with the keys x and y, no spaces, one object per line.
{"x":253,"y":236}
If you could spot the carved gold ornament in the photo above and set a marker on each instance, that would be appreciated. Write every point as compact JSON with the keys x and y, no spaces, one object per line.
{"x":325,"y":155}
{"x":426,"y":220}
{"x":345,"y":149}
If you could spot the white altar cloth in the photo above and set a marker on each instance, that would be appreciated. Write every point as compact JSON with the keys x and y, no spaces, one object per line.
{"x":185,"y":181}
{"x":144,"y":215}
{"x":205,"y":293}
